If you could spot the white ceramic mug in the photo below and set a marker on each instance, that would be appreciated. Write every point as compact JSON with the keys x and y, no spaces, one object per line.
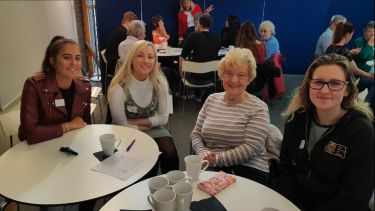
{"x":157,"y":183}
{"x":163,"y":200}
{"x":176,"y":176}
{"x":194,"y":165}
{"x":108,"y":143}
{"x":184,"y":195}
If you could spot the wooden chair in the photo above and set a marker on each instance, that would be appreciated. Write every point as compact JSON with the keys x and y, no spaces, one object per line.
{"x":198,"y":68}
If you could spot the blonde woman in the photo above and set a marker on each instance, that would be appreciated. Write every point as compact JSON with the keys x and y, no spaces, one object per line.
{"x":138,"y":99}
{"x":232,"y":126}
{"x":327,"y":154}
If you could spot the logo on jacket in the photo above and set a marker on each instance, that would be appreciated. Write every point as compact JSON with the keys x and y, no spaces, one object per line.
{"x":335,"y":149}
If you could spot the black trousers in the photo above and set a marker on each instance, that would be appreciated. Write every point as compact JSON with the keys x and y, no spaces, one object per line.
{"x":168,"y":159}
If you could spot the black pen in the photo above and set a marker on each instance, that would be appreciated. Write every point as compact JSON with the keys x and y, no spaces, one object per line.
{"x":130,"y":145}
{"x":68,"y":150}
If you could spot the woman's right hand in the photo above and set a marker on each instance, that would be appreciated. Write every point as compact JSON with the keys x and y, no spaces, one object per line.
{"x":76,"y":123}
{"x":209,"y":156}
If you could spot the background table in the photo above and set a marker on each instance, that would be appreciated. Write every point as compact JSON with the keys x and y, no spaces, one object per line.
{"x":244,"y":194}
{"x":40,"y":174}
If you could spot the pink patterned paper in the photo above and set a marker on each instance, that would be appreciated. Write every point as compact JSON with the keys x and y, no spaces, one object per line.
{"x":217,"y":183}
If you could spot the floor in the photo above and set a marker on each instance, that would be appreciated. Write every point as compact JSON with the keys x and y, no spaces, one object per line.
{"x":182,"y":123}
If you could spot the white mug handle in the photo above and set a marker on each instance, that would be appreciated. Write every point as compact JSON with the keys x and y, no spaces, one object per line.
{"x":189,"y":179}
{"x":206,"y":165}
{"x":118,"y":142}
{"x":150,"y":200}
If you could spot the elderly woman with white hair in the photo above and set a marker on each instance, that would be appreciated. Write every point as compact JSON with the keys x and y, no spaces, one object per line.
{"x":267,"y":33}
{"x":232,"y":126}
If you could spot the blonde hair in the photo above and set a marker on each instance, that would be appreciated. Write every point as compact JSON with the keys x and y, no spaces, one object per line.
{"x":124,"y":75}
{"x":238,"y":57}
{"x":301,"y":98}
{"x":192,"y":5}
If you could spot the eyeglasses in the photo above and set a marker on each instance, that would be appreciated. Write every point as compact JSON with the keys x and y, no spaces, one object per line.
{"x":240,"y":76}
{"x":334,"y":85}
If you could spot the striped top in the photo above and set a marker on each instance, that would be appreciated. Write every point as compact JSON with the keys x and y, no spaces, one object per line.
{"x":235,"y":132}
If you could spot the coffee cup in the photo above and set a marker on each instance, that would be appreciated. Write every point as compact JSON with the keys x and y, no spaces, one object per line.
{"x":194,"y":166}
{"x":184,"y":195}
{"x":108,"y":143}
{"x":158,"y":183}
{"x":162,"y":200}
{"x":176,"y":176}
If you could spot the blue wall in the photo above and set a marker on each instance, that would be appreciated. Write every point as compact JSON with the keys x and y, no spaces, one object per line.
{"x":298,"y":23}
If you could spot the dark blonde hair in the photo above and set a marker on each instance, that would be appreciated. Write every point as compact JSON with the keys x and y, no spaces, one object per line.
{"x":301,"y":99}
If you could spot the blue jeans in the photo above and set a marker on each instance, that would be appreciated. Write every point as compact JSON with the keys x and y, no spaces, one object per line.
{"x":367,"y":83}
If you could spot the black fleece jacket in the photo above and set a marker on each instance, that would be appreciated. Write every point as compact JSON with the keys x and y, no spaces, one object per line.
{"x":338,"y":174}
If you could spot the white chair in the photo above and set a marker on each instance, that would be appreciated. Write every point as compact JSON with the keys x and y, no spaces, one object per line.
{"x":198,"y":68}
{"x":95,"y":92}
{"x":92,"y":109}
{"x":102,"y":53}
{"x":9,"y":123}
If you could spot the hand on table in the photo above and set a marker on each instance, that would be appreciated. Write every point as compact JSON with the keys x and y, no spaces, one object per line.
{"x":76,"y":123}
{"x":210,"y":157}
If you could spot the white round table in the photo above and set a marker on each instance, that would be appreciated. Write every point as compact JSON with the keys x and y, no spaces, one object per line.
{"x":177,"y":52}
{"x":40,"y":174}
{"x":244,"y":195}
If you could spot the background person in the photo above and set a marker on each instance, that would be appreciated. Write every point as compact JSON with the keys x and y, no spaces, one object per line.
{"x":188,"y":9}
{"x":230,"y":31}
{"x":159,"y":33}
{"x":200,"y":46}
{"x":267,"y":32}
{"x":111,"y":50}
{"x":342,"y":35}
{"x":366,"y":44}
{"x":57,"y":99}
{"x":327,"y":153}
{"x":326,"y":37}
{"x":232,"y":126}
{"x":138,"y":98}
{"x":136,"y":31}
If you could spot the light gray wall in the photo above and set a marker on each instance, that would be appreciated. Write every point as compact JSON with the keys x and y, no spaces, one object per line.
{"x":26,"y":27}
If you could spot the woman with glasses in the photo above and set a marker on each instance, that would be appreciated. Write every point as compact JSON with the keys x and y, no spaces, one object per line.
{"x":232,"y":126}
{"x":327,"y":154}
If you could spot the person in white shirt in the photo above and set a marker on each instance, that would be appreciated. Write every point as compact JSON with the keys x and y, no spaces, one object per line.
{"x":136,"y":31}
{"x":138,"y":98}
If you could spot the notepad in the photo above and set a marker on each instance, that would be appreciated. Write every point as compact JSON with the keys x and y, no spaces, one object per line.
{"x":217,"y":183}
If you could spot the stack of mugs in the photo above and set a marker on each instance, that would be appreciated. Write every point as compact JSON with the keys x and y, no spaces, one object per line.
{"x":175,"y":191}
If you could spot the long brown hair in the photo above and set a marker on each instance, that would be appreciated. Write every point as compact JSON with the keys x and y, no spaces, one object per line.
{"x":246,"y":34}
{"x":53,"y":50}
{"x":341,"y":30}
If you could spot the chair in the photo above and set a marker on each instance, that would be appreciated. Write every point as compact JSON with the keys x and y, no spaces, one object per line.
{"x":92,"y":109}
{"x":106,"y":76}
{"x":95,"y":91}
{"x":198,"y":68}
{"x":9,"y":123}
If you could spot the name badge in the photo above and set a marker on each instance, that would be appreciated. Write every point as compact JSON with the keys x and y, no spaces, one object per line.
{"x":59,"y":102}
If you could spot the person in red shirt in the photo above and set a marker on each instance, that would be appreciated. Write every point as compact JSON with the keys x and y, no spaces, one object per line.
{"x":188,"y":10}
